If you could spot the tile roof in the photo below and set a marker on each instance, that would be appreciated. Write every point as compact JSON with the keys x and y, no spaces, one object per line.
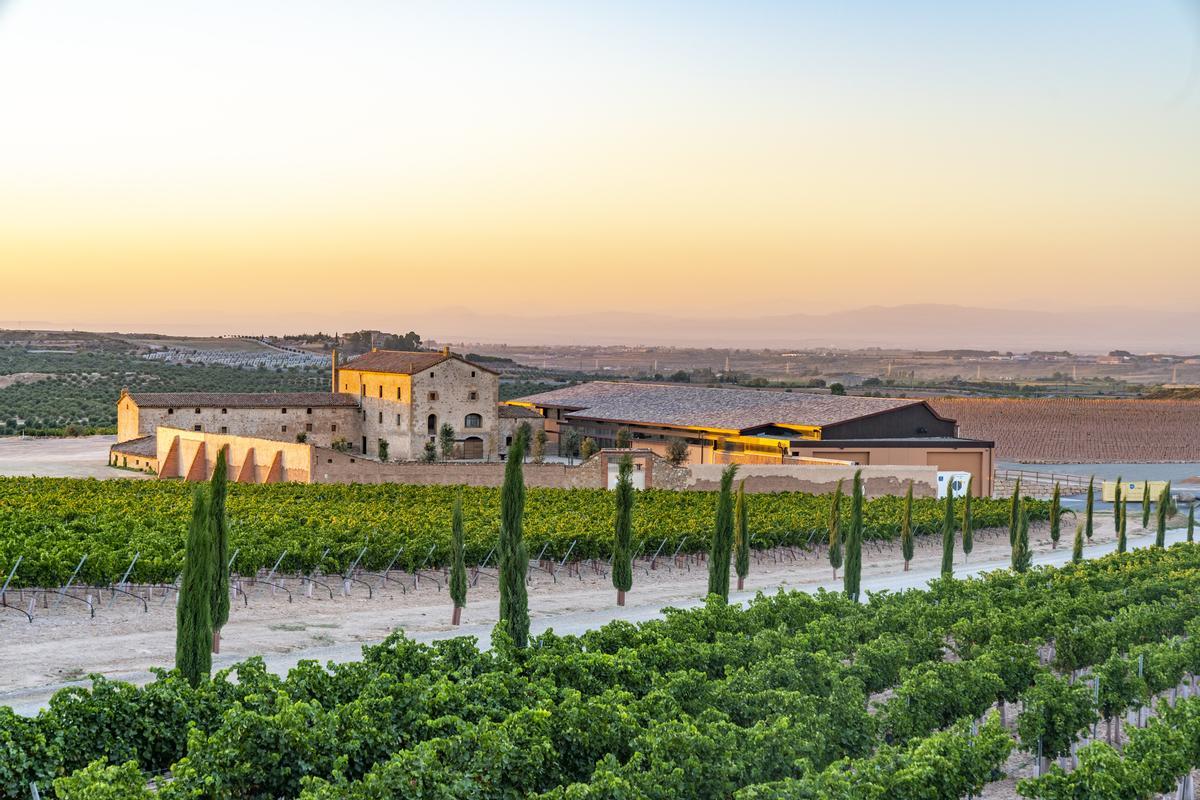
{"x":144,"y":446}
{"x":698,"y":406}
{"x":517,"y":412}
{"x":243,"y":399}
{"x":403,"y":362}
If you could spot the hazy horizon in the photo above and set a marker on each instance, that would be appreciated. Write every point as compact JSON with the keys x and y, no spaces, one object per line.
{"x":220,"y":166}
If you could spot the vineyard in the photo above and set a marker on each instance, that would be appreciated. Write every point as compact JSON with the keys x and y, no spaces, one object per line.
{"x":52,"y":523}
{"x":919,"y":695}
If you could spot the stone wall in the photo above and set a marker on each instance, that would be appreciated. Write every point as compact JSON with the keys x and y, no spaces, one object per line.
{"x":762,"y":478}
{"x":320,"y":426}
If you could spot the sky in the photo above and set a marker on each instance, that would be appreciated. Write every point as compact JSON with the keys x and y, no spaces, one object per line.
{"x":283,"y":165}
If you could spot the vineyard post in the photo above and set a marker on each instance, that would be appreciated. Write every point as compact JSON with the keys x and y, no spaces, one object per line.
{"x":63,"y":591}
{"x":125,"y":578}
{"x":388,"y":569}
{"x":563,"y":562}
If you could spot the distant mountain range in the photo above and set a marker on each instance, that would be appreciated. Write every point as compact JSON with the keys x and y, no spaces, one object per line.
{"x":926,"y":327}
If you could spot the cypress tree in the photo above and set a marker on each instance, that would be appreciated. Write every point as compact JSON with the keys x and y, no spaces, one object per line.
{"x":1164,"y":504}
{"x":968,"y":528}
{"x":1022,"y":556}
{"x":622,"y":568}
{"x":1118,"y":507}
{"x":906,"y":533}
{"x":721,"y":547}
{"x":1077,"y":549}
{"x":854,"y":535}
{"x":220,"y":537}
{"x":742,"y":538}
{"x":1091,"y":508}
{"x":948,"y":534}
{"x":458,"y":566}
{"x":1014,"y":511}
{"x":514,"y":560}
{"x":1146,"y":505}
{"x":1055,"y":518}
{"x":835,"y":530}
{"x":193,"y":613}
{"x":1191,"y":534}
{"x":1123,"y":515}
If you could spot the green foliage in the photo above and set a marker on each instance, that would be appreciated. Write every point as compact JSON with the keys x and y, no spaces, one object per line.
{"x":677,"y":451}
{"x":624,"y":438}
{"x":721,"y":546}
{"x":1056,"y":515}
{"x":622,"y":565}
{"x":968,"y":523}
{"x":383,"y":449}
{"x":1122,"y":515}
{"x":458,"y":567}
{"x":1118,"y":507}
{"x":82,"y":389}
{"x":854,"y":536}
{"x":588,"y":449}
{"x":835,"y":529}
{"x":193,"y":614}
{"x":52,"y":522}
{"x":948,"y":534}
{"x":1146,"y":505}
{"x":906,"y":532}
{"x":1077,"y":545}
{"x":741,"y":543}
{"x":99,"y":781}
{"x":1014,"y":513}
{"x":1090,"y":510}
{"x":446,"y":440}
{"x":1056,"y":713}
{"x":514,"y":558}
{"x":1160,"y":520}
{"x":1191,"y":526}
{"x":219,"y":526}
{"x":1022,"y":555}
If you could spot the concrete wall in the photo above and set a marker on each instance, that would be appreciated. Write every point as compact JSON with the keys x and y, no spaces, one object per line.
{"x":192,"y":456}
{"x":976,"y":460}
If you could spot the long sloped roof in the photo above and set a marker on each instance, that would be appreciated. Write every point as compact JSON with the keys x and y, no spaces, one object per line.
{"x":242,"y":399}
{"x":698,"y":406}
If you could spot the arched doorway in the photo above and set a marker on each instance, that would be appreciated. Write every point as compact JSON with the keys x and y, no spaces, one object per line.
{"x":472,"y":447}
{"x":431,"y":425}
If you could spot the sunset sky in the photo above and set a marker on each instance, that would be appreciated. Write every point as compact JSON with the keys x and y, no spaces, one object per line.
{"x":289,"y":164}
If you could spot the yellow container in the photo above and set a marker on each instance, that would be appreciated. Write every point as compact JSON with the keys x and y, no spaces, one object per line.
{"x":1131,"y":490}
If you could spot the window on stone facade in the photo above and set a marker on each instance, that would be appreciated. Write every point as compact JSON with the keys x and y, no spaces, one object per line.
{"x":197,"y":427}
{"x":472,"y":373}
{"x":399,"y":419}
{"x":473,"y":421}
{"x":508,"y":441}
{"x":472,"y":395}
{"x":283,"y":428}
{"x":431,"y":425}
{"x":380,"y":417}
{"x":308,"y":426}
{"x":308,"y":411}
{"x":431,"y":374}
{"x":333,"y":428}
{"x":197,"y":411}
{"x":283,"y":411}
{"x":432,"y":397}
{"x":170,"y":411}
{"x":224,"y":429}
{"x":381,"y":391}
{"x":224,"y":410}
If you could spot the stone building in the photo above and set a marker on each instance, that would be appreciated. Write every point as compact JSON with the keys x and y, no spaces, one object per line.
{"x":399,"y":398}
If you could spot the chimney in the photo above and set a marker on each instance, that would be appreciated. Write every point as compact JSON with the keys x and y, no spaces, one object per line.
{"x":446,"y":350}
{"x":334,"y":388}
